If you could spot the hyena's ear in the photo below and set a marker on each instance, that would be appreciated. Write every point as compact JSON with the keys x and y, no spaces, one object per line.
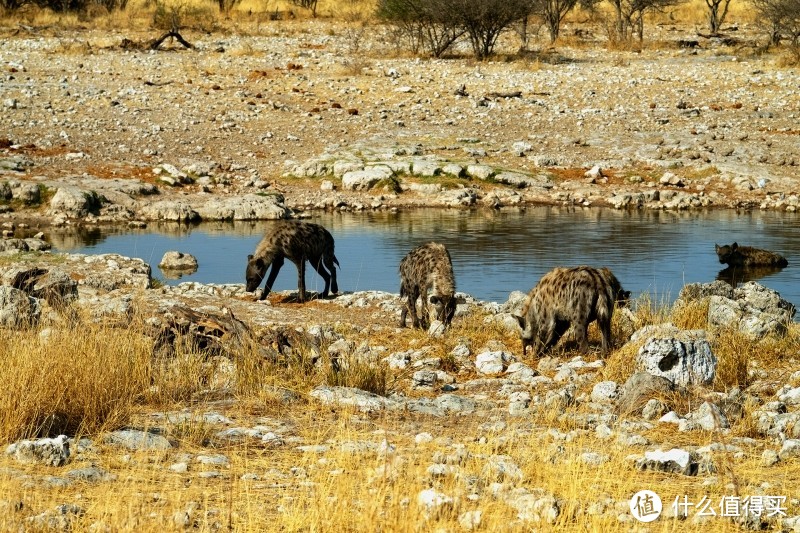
{"x":716,"y":247}
{"x":435,"y":300}
{"x":250,"y":257}
{"x":734,"y":246}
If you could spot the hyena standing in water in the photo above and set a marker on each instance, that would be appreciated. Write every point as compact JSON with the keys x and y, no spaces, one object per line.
{"x":428,"y":268}
{"x":570,"y":298}
{"x":299,"y":242}
{"x":746,"y":256}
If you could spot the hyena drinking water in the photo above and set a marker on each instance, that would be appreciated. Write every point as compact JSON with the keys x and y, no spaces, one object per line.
{"x":746,"y":256}
{"x":299,"y":242}
{"x":425,"y":269}
{"x":570,"y":298}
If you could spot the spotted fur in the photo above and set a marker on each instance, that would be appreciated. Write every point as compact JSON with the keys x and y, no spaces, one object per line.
{"x":428,"y":269}
{"x":299,"y":242}
{"x":746,"y":256}
{"x":570,"y":298}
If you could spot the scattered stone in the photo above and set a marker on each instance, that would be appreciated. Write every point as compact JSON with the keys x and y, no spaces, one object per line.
{"x":133,"y":439}
{"x":640,"y":388}
{"x":493,"y":362}
{"x":605,"y":391}
{"x":676,"y":461}
{"x":50,"y":452}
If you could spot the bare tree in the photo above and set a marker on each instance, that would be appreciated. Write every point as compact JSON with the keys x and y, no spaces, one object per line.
{"x":485,"y":20}
{"x":311,"y":5}
{"x":717,"y":11}
{"x":552,"y":13}
{"x":782,"y":18}
{"x":630,"y":15}
{"x":427,"y":24}
{"x":225,"y":6}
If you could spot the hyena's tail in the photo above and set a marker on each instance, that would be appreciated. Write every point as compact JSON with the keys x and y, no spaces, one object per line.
{"x":336,"y":261}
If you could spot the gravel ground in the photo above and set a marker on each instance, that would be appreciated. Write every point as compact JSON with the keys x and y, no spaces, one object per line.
{"x":714,"y":125}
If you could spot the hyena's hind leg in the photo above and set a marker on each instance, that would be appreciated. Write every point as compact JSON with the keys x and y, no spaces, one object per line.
{"x":604,"y":325}
{"x":316,"y":264}
{"x":330,"y":263}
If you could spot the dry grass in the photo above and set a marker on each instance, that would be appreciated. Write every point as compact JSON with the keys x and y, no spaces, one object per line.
{"x":60,"y":382}
{"x":106,"y":378}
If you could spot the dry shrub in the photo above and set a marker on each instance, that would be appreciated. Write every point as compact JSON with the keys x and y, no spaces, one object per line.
{"x":65,"y":382}
{"x":365,"y":375}
{"x":180,"y":376}
{"x":790,"y":58}
{"x":693,"y":315}
{"x":647,"y":311}
{"x":621,"y":364}
{"x":734,"y":351}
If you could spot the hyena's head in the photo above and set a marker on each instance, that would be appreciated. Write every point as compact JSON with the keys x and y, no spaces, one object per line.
{"x":256,"y":268}
{"x":527,"y":334}
{"x":444,"y":308}
{"x":726,"y":253}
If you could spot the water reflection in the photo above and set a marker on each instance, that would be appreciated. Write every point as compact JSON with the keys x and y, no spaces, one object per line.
{"x":494,"y":252}
{"x":736,"y":275}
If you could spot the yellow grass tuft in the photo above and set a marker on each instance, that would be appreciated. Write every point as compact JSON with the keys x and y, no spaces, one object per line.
{"x":58,"y":382}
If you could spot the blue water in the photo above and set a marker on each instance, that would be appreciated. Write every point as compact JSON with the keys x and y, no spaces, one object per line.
{"x":494,"y":252}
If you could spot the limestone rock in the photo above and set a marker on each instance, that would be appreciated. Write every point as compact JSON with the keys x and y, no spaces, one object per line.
{"x":684,"y":362}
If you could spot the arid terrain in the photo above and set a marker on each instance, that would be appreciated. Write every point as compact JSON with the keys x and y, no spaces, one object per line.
{"x":300,"y":103}
{"x":195,"y":407}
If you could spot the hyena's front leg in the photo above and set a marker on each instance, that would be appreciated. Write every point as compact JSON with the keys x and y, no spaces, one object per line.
{"x":301,"y":280}
{"x":411,"y":307}
{"x":581,"y":334}
{"x":277,"y":263}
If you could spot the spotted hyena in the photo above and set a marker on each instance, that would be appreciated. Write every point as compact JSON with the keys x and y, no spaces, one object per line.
{"x":299,"y":242}
{"x":428,"y":269}
{"x":746,"y":256}
{"x":570,"y":298}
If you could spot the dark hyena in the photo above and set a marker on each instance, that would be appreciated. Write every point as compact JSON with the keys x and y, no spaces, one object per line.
{"x":424,"y":269}
{"x":746,"y":256}
{"x":299,"y":242}
{"x":570,"y":298}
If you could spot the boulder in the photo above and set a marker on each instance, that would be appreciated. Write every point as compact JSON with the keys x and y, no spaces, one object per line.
{"x":675,"y":461}
{"x":74,"y":202}
{"x":357,"y":180}
{"x":522,"y":181}
{"x":751,"y":309}
{"x":174,"y":210}
{"x":247,"y":207}
{"x":683,"y":362}
{"x":50,"y":452}
{"x":17,"y":309}
{"x":133,"y":439}
{"x":13,"y":245}
{"x":174,"y":260}
{"x":640,"y":388}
